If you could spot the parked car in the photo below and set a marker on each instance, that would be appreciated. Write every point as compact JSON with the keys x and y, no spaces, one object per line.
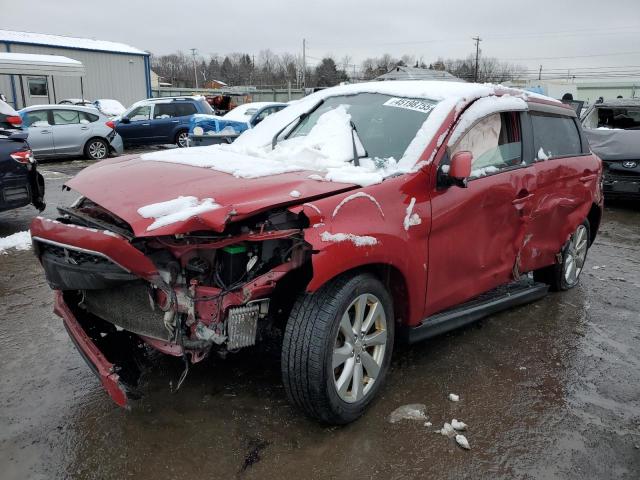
{"x":213,"y":129}
{"x":20,"y":181}
{"x":69,"y":130}
{"x":109,"y":107}
{"x":160,"y":120}
{"x":613,"y":131}
{"x":359,"y":215}
{"x":76,"y":101}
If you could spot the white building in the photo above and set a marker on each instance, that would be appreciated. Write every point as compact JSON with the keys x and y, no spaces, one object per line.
{"x":111,"y":70}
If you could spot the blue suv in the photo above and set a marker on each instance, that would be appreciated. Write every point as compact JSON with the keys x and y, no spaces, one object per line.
{"x":160,"y":120}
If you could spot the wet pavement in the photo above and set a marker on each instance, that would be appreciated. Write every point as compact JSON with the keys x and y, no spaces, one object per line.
{"x":549,"y":390}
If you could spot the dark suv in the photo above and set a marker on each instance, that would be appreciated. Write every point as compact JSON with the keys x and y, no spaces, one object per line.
{"x":160,"y":120}
{"x":20,"y":182}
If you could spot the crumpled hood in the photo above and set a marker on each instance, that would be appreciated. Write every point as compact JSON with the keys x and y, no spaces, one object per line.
{"x":125,"y":184}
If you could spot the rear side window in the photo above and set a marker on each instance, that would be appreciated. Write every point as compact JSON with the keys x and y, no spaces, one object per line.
{"x":555,"y":136}
{"x":38,"y":118}
{"x":88,"y":117}
{"x":164,"y":110}
{"x":184,"y":109}
{"x":65,"y":117}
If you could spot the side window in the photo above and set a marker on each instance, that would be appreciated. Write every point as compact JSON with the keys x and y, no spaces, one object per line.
{"x":164,"y":110}
{"x":141,"y":113}
{"x":185,"y":109}
{"x":495,"y":141}
{"x":37,"y":86}
{"x":86,"y":118}
{"x":555,"y":136}
{"x":39,"y":118}
{"x":65,"y":117}
{"x":263,"y":114}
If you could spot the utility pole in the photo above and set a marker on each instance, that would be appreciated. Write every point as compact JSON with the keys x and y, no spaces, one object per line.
{"x":195,"y":72}
{"x":304,"y":63}
{"x":540,"y":73}
{"x":477,"y":40}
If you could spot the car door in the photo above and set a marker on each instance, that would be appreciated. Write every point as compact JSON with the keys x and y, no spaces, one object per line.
{"x":164,"y":121}
{"x":567,"y":175}
{"x":477,"y":231}
{"x":135,"y":127}
{"x":69,"y":135}
{"x":38,"y":123}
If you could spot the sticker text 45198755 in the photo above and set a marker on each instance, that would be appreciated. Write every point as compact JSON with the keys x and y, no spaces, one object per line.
{"x":410,"y":104}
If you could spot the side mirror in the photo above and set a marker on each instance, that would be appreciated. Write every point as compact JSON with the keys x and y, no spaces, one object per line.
{"x":460,"y":168}
{"x":125,"y":120}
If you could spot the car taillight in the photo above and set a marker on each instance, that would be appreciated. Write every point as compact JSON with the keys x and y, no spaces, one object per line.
{"x":14,"y":120}
{"x":23,"y":156}
{"x":110,"y":124}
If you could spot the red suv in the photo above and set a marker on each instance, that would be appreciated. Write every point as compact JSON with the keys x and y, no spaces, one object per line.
{"x":354,"y":218}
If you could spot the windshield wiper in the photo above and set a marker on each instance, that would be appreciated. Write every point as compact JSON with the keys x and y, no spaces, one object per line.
{"x":354,"y":132}
{"x":300,"y":118}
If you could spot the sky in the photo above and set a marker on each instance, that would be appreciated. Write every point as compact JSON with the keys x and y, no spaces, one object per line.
{"x":585,"y":36}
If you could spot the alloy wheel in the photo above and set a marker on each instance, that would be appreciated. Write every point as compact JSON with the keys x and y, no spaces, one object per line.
{"x":576,"y":255}
{"x":359,"y":348}
{"x":183,"y":139}
{"x":97,"y":150}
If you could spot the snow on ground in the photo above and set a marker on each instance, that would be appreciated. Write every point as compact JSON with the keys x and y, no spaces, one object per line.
{"x":358,"y":240}
{"x":463,"y":442}
{"x":19,"y":241}
{"x":328,"y":148}
{"x":447,"y":430}
{"x":176,"y":210}
{"x":412,"y":411}
{"x":458,"y":425}
{"x":353,"y":197}
{"x":453,"y":397}
{"x":411,"y":219}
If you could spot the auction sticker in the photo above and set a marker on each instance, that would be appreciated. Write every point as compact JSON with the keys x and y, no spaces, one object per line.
{"x":410,"y":104}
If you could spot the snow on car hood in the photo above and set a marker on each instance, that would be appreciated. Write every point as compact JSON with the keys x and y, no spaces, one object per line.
{"x":164,"y":198}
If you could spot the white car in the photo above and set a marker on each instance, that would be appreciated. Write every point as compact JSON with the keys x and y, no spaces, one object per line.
{"x":253,"y":113}
{"x":70,"y":130}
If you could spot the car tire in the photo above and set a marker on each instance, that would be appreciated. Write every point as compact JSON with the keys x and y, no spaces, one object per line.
{"x":322,"y":357}
{"x":566,"y":273}
{"x":182,"y":139}
{"x":96,"y":149}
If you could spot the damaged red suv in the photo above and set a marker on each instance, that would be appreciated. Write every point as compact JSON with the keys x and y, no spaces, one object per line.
{"x":356,"y":217}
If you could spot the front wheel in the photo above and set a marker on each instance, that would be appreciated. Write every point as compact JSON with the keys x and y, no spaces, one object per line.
{"x":337,"y":348}
{"x":182,"y":139}
{"x":566,"y":274}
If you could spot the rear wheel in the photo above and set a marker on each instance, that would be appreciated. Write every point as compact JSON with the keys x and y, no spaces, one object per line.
{"x":96,"y":149}
{"x":566,"y":274}
{"x":182,"y":139}
{"x":337,"y":348}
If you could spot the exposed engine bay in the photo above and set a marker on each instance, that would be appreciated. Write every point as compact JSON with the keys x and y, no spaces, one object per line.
{"x":209,"y":292}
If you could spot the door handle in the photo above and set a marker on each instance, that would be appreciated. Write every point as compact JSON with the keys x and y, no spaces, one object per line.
{"x":84,"y":128}
{"x":145,"y":124}
{"x":45,"y":131}
{"x":175,"y":121}
{"x":521,"y":200}
{"x":588,"y":178}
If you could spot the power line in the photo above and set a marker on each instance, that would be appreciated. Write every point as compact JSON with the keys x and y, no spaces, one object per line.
{"x":574,"y":56}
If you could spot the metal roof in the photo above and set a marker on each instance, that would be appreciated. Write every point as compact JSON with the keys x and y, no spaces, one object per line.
{"x":29,"y":64}
{"x":619,"y":103}
{"x":76,"y":43}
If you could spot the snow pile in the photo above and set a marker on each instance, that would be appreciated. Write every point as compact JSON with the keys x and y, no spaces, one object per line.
{"x":457,"y":425}
{"x":176,"y":210}
{"x":484,"y":171}
{"x":542,"y":155}
{"x":358,"y":240}
{"x":453,"y":397}
{"x":463,"y":442}
{"x":353,"y":197}
{"x":109,"y":107}
{"x":294,"y":193}
{"x":19,"y":241}
{"x":412,"y":411}
{"x":447,"y":430}
{"x":411,"y":219}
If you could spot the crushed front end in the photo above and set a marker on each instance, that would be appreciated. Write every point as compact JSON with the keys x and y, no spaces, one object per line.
{"x":185,"y":295}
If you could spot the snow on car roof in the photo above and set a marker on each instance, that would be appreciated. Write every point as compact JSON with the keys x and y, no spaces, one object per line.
{"x":242,"y":111}
{"x":251,"y":155}
{"x":12,"y":36}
